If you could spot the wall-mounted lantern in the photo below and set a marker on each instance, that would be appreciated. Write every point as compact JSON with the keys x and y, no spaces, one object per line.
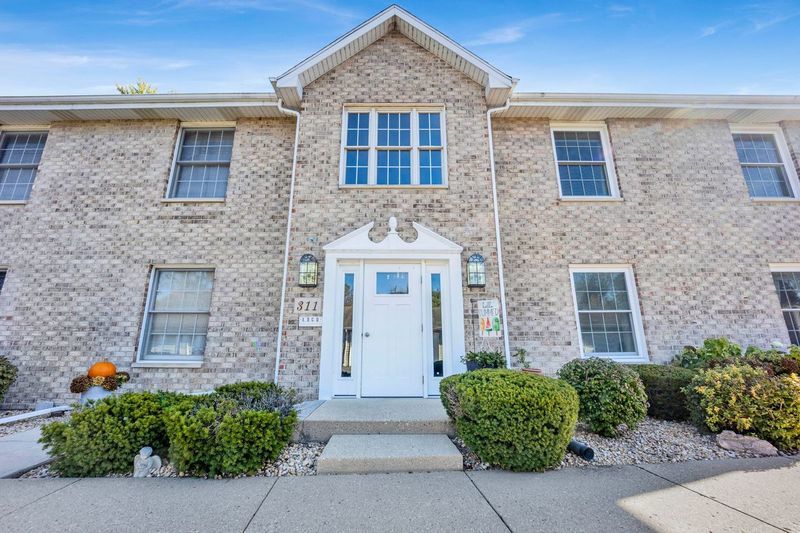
{"x":476,"y":271}
{"x":308,"y":270}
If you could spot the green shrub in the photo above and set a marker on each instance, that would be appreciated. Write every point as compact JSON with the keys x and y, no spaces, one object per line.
{"x":610,"y":394}
{"x":8,"y":373}
{"x":748,"y":400}
{"x":236,"y":430}
{"x":712,"y":350}
{"x":663,"y":385}
{"x":515,"y":420}
{"x":104,"y":437}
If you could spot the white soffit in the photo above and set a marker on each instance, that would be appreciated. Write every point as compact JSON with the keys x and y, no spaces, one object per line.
{"x":15,"y":110}
{"x":588,"y":107}
{"x":289,"y":85}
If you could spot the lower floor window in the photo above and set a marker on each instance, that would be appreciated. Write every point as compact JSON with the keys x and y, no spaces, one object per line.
{"x":2,"y":279}
{"x":788,"y":286}
{"x":176,"y":319}
{"x":607,"y":313}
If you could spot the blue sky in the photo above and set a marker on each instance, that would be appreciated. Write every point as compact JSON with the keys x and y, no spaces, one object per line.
{"x":82,"y":47}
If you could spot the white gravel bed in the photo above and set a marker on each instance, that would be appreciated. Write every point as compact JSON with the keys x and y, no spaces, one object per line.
{"x":297,"y":459}
{"x":653,"y":441}
{"x":31,"y":423}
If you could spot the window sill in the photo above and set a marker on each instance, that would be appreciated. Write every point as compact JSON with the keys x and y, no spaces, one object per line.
{"x":167,"y":364}
{"x":775,"y":200}
{"x":13,"y":202}
{"x":192,"y":200}
{"x":393,"y":186}
{"x":625,"y":360}
{"x":568,"y":199}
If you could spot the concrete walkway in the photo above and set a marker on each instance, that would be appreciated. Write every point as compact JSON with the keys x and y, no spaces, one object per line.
{"x":749,"y":495}
{"x":20,"y":452}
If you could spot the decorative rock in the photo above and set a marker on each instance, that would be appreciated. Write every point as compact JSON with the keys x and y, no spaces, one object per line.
{"x":745,"y":444}
{"x":146,"y":463}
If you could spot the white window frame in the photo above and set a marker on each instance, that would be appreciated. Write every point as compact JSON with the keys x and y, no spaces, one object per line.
{"x":608,"y":154}
{"x":783,"y":150}
{"x":171,"y":183}
{"x":782,"y":267}
{"x":642,"y":355}
{"x":167,"y":362}
{"x":372,"y":163}
{"x":34,"y":128}
{"x":3,"y":270}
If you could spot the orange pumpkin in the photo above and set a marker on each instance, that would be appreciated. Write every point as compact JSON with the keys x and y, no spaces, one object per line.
{"x":102,"y":369}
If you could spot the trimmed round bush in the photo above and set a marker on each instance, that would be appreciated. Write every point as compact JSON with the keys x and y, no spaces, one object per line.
{"x":610,"y":394}
{"x":664,"y":386}
{"x":745,"y":399}
{"x":103,"y":437}
{"x":8,"y":373}
{"x":512,"y":419}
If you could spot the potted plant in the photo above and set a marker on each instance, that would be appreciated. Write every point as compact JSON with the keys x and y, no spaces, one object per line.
{"x":482,"y":359}
{"x":101,"y":380}
{"x":521,"y":355}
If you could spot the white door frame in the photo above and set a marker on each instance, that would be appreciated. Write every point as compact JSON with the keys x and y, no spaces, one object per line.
{"x":355,"y":248}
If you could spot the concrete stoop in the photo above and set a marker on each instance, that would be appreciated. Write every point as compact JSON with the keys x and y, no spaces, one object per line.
{"x":362,"y":454}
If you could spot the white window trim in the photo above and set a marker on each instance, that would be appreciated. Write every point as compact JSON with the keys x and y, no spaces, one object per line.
{"x":23,"y":128}
{"x":372,"y":162}
{"x":782,"y":267}
{"x":608,"y":154}
{"x":633,"y":298}
{"x":783,"y":150}
{"x":171,"y":183}
{"x":167,"y":362}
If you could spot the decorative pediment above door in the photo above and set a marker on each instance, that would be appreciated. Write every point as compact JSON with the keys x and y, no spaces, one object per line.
{"x":427,"y":241}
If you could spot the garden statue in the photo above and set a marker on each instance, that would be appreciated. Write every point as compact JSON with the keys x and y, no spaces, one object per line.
{"x":145,"y":463}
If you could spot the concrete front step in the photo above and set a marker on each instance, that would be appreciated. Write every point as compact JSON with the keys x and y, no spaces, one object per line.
{"x":367,"y":416}
{"x":365,"y":454}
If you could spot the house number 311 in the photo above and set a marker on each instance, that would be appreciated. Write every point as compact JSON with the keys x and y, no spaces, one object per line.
{"x":307,"y":305}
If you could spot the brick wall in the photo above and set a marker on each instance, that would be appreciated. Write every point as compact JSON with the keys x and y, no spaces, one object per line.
{"x":80,"y":253}
{"x":698,"y":245}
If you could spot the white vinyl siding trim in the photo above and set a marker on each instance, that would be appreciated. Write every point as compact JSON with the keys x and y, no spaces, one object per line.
{"x":608,"y":158}
{"x":639,"y":355}
{"x":373,"y":147}
{"x":786,"y":162}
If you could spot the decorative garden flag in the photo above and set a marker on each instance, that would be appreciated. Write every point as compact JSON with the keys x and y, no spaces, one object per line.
{"x":489,"y":318}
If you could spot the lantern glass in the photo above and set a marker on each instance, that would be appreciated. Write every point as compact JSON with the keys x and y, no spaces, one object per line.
{"x":476,"y":271}
{"x":308,"y":271}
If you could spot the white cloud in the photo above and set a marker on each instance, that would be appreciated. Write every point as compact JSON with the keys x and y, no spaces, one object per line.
{"x":620,"y":10}
{"x":514,"y":32}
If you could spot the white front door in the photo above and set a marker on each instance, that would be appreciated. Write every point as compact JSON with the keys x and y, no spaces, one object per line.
{"x":391,"y":349}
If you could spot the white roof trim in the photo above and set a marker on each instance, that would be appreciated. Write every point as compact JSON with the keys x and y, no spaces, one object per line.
{"x":427,"y":241}
{"x":289,"y":85}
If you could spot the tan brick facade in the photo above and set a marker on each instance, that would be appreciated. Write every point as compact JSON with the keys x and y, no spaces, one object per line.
{"x":80,"y":252}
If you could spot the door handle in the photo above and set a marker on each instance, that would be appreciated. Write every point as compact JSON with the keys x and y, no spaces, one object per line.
{"x":366,"y":334}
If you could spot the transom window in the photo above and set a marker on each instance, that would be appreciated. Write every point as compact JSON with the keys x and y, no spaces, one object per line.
{"x":393,"y":147}
{"x":788,"y":286}
{"x":607,"y":312}
{"x":20,"y":154}
{"x":176,"y":320}
{"x":202,"y":163}
{"x":766,"y":164}
{"x":583,"y":160}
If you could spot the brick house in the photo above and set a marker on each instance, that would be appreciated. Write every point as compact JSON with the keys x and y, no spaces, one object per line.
{"x":392,"y":204}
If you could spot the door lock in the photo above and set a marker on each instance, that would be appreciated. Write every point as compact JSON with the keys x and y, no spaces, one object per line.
{"x":366,"y":334}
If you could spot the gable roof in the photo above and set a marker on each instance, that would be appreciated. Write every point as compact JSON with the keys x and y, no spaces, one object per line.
{"x":289,"y":85}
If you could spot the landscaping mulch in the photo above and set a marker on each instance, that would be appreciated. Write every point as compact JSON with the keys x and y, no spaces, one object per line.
{"x":31,"y":423}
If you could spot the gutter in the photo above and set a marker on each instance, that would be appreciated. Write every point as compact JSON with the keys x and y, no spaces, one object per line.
{"x":296,"y":115}
{"x":500,"y":273}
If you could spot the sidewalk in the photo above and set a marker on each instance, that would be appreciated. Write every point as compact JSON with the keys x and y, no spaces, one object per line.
{"x":733,"y":495}
{"x":20,"y":452}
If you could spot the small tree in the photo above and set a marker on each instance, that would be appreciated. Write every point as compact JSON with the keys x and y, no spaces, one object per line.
{"x":140,"y":87}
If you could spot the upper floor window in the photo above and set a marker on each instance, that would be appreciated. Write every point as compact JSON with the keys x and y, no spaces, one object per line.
{"x":766,"y":163}
{"x":583,"y":158}
{"x":202,"y":163}
{"x":393,"y":147}
{"x":20,"y":154}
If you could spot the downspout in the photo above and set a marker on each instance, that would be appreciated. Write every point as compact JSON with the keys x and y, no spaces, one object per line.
{"x":501,"y":276}
{"x":288,"y":235}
